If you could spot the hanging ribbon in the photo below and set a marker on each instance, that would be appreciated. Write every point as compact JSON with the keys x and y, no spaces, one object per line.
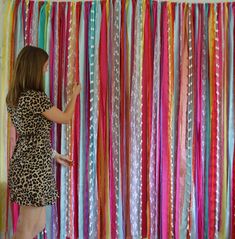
{"x":102,"y":163}
{"x":230,"y":185}
{"x":200,"y":114}
{"x":128,"y":8}
{"x":154,"y":151}
{"x":82,"y":122}
{"x":224,"y":119}
{"x":111,"y":168}
{"x":96,"y":88}
{"x":87,"y":119}
{"x":181,"y":146}
{"x":146,"y":112}
{"x":164,"y":123}
{"x":115,"y":118}
{"x":136,"y":128}
{"x":94,"y":32}
{"x":64,"y":139}
{"x":176,"y":100}
{"x":206,"y":113}
{"x":76,"y":124}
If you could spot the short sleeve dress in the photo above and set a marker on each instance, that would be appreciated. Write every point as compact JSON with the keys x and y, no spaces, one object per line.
{"x":31,"y":180}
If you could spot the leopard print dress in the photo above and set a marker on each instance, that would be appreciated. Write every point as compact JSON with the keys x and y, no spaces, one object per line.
{"x":31,"y":180}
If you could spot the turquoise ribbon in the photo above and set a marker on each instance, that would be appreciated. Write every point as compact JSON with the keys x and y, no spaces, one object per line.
{"x":230,"y":115}
{"x":46,"y":47}
{"x":41,"y":26}
{"x":82,"y":124}
{"x":93,"y":42}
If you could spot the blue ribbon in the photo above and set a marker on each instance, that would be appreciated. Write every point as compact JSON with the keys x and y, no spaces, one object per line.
{"x":82,"y":124}
{"x":230,"y":114}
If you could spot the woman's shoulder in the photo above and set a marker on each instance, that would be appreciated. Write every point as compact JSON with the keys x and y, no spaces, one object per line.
{"x":30,"y":98}
{"x":37,"y":101}
{"x":32,"y":93}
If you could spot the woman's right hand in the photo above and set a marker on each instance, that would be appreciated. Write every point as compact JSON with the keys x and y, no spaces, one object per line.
{"x":76,"y":88}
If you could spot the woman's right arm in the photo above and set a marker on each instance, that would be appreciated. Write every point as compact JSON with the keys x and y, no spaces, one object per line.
{"x":56,"y":115}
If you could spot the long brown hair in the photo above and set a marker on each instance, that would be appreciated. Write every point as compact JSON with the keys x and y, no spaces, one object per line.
{"x":27,"y":74}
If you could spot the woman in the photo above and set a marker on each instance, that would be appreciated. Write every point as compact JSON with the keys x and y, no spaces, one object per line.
{"x":31,"y":181}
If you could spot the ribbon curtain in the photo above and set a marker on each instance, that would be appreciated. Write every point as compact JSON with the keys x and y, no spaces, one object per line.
{"x":152,"y":137}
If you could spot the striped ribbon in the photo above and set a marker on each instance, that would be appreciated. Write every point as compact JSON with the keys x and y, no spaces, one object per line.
{"x":154,"y":152}
{"x":229,"y":228}
{"x":115,"y":118}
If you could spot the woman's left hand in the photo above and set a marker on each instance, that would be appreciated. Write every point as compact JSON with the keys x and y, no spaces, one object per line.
{"x":63,"y":160}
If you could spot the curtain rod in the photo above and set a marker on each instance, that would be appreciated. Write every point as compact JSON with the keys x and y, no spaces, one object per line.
{"x":194,"y":1}
{"x":175,"y":1}
{"x":66,"y":0}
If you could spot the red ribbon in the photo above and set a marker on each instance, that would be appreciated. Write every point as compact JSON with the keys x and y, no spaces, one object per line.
{"x":147,"y":83}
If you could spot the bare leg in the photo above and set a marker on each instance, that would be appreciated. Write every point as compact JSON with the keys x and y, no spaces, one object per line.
{"x":40,"y":225}
{"x":31,"y":220}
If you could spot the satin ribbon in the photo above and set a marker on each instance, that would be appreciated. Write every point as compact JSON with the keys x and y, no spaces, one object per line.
{"x":82,"y":122}
{"x":87,"y":119}
{"x":96,"y":91}
{"x":213,"y":190}
{"x":146,"y":118}
{"x":76,"y":124}
{"x":164,"y":122}
{"x":71,"y":76}
{"x":185,"y":225}
{"x":46,"y":45}
{"x":229,"y":228}
{"x":219,"y":98}
{"x":34,"y":25}
{"x":64,"y":21}
{"x":113,"y":205}
{"x":123,"y":78}
{"x":136,"y":128}
{"x":181,"y":147}
{"x":200,"y":127}
{"x":213,"y":131}
{"x":93,"y":124}
{"x":176,"y":97}
{"x":206,"y":93}
{"x":154,"y":150}
{"x":170,"y":116}
{"x":102,"y":163}
{"x":224,"y":120}
{"x":41,"y":26}
{"x":129,"y":44}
